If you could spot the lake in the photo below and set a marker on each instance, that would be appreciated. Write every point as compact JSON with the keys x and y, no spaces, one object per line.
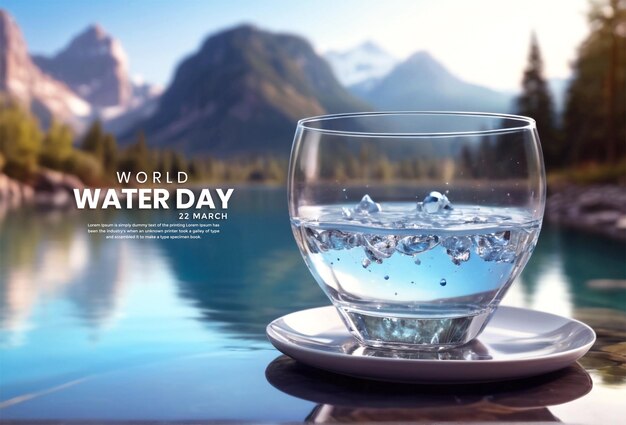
{"x":97,"y":329}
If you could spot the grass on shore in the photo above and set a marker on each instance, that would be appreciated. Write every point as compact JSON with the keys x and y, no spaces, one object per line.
{"x":588,"y":174}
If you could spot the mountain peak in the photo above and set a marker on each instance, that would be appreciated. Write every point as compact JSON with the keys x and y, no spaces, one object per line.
{"x":9,"y":31}
{"x":93,"y":32}
{"x":243,"y":27}
{"x":370,"y":46}
{"x":421,"y":56}
{"x":5,"y":18}
{"x":94,"y":65}
{"x":12,"y":50}
{"x":423,"y":65}
{"x":243,"y":91}
{"x":94,"y":41}
{"x":421,"y":82}
{"x":361,"y":64}
{"x":21,"y":79}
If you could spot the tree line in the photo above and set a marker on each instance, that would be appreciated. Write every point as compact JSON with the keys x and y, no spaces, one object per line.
{"x":592,"y":129}
{"x":25,"y":148}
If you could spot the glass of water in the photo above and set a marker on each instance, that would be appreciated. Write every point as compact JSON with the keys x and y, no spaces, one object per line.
{"x":415,"y":224}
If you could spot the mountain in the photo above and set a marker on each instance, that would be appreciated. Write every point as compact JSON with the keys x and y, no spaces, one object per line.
{"x":243,"y":92}
{"x":422,"y":83}
{"x":144,"y":102}
{"x":94,"y":65}
{"x":21,"y":79}
{"x":363,"y":64}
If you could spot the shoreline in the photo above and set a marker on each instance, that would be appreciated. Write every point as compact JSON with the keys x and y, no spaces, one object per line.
{"x":597,"y":209}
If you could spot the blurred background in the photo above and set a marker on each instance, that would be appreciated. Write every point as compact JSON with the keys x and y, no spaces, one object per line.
{"x":215,"y":89}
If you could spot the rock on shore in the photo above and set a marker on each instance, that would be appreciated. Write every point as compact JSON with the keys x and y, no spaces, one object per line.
{"x":50,"y":189}
{"x":598,"y":209}
{"x":14,"y":193}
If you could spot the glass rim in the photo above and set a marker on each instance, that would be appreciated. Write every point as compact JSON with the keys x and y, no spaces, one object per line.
{"x":526,"y":123}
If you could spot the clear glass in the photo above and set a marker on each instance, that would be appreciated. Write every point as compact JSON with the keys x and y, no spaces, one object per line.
{"x":416,"y":223}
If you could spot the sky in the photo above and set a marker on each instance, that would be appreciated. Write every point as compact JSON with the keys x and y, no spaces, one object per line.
{"x":482,"y":41}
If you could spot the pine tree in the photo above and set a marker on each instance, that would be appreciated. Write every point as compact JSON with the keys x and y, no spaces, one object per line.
{"x":163,"y":162}
{"x":56,"y":146}
{"x":595,"y":110}
{"x":179,"y":164}
{"x":536,"y":102}
{"x":109,"y":153}
{"x":20,"y":140}
{"x":93,"y":142}
{"x":137,"y":157}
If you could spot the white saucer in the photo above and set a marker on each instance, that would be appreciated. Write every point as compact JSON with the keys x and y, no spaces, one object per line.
{"x":517,"y":343}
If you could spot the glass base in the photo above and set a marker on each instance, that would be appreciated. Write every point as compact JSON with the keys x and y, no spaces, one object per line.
{"x":415,"y":333}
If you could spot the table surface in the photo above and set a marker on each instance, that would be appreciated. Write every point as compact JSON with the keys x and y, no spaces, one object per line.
{"x":248,"y":381}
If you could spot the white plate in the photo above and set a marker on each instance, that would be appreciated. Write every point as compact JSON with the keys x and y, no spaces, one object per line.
{"x":517,"y":343}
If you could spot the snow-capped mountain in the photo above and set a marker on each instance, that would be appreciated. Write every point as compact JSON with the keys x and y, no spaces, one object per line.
{"x":87,"y":80}
{"x":94,"y":65}
{"x":21,"y":79}
{"x":364,"y":63}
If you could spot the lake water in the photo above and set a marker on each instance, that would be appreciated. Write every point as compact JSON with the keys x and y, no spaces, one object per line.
{"x":95,"y":329}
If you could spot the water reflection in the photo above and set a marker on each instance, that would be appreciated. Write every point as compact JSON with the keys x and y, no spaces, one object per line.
{"x":344,"y":399}
{"x":47,"y":256}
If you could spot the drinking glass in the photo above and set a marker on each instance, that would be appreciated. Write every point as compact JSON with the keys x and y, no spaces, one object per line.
{"x":415,"y":224}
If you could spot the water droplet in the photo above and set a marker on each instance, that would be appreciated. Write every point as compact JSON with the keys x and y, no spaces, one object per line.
{"x":435,"y":202}
{"x":396,"y":293}
{"x":365,"y":263}
{"x":418,"y":261}
{"x":413,"y":281}
{"x":366,"y":206}
{"x":386,"y":277}
{"x":443,"y":282}
{"x":338,"y":259}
